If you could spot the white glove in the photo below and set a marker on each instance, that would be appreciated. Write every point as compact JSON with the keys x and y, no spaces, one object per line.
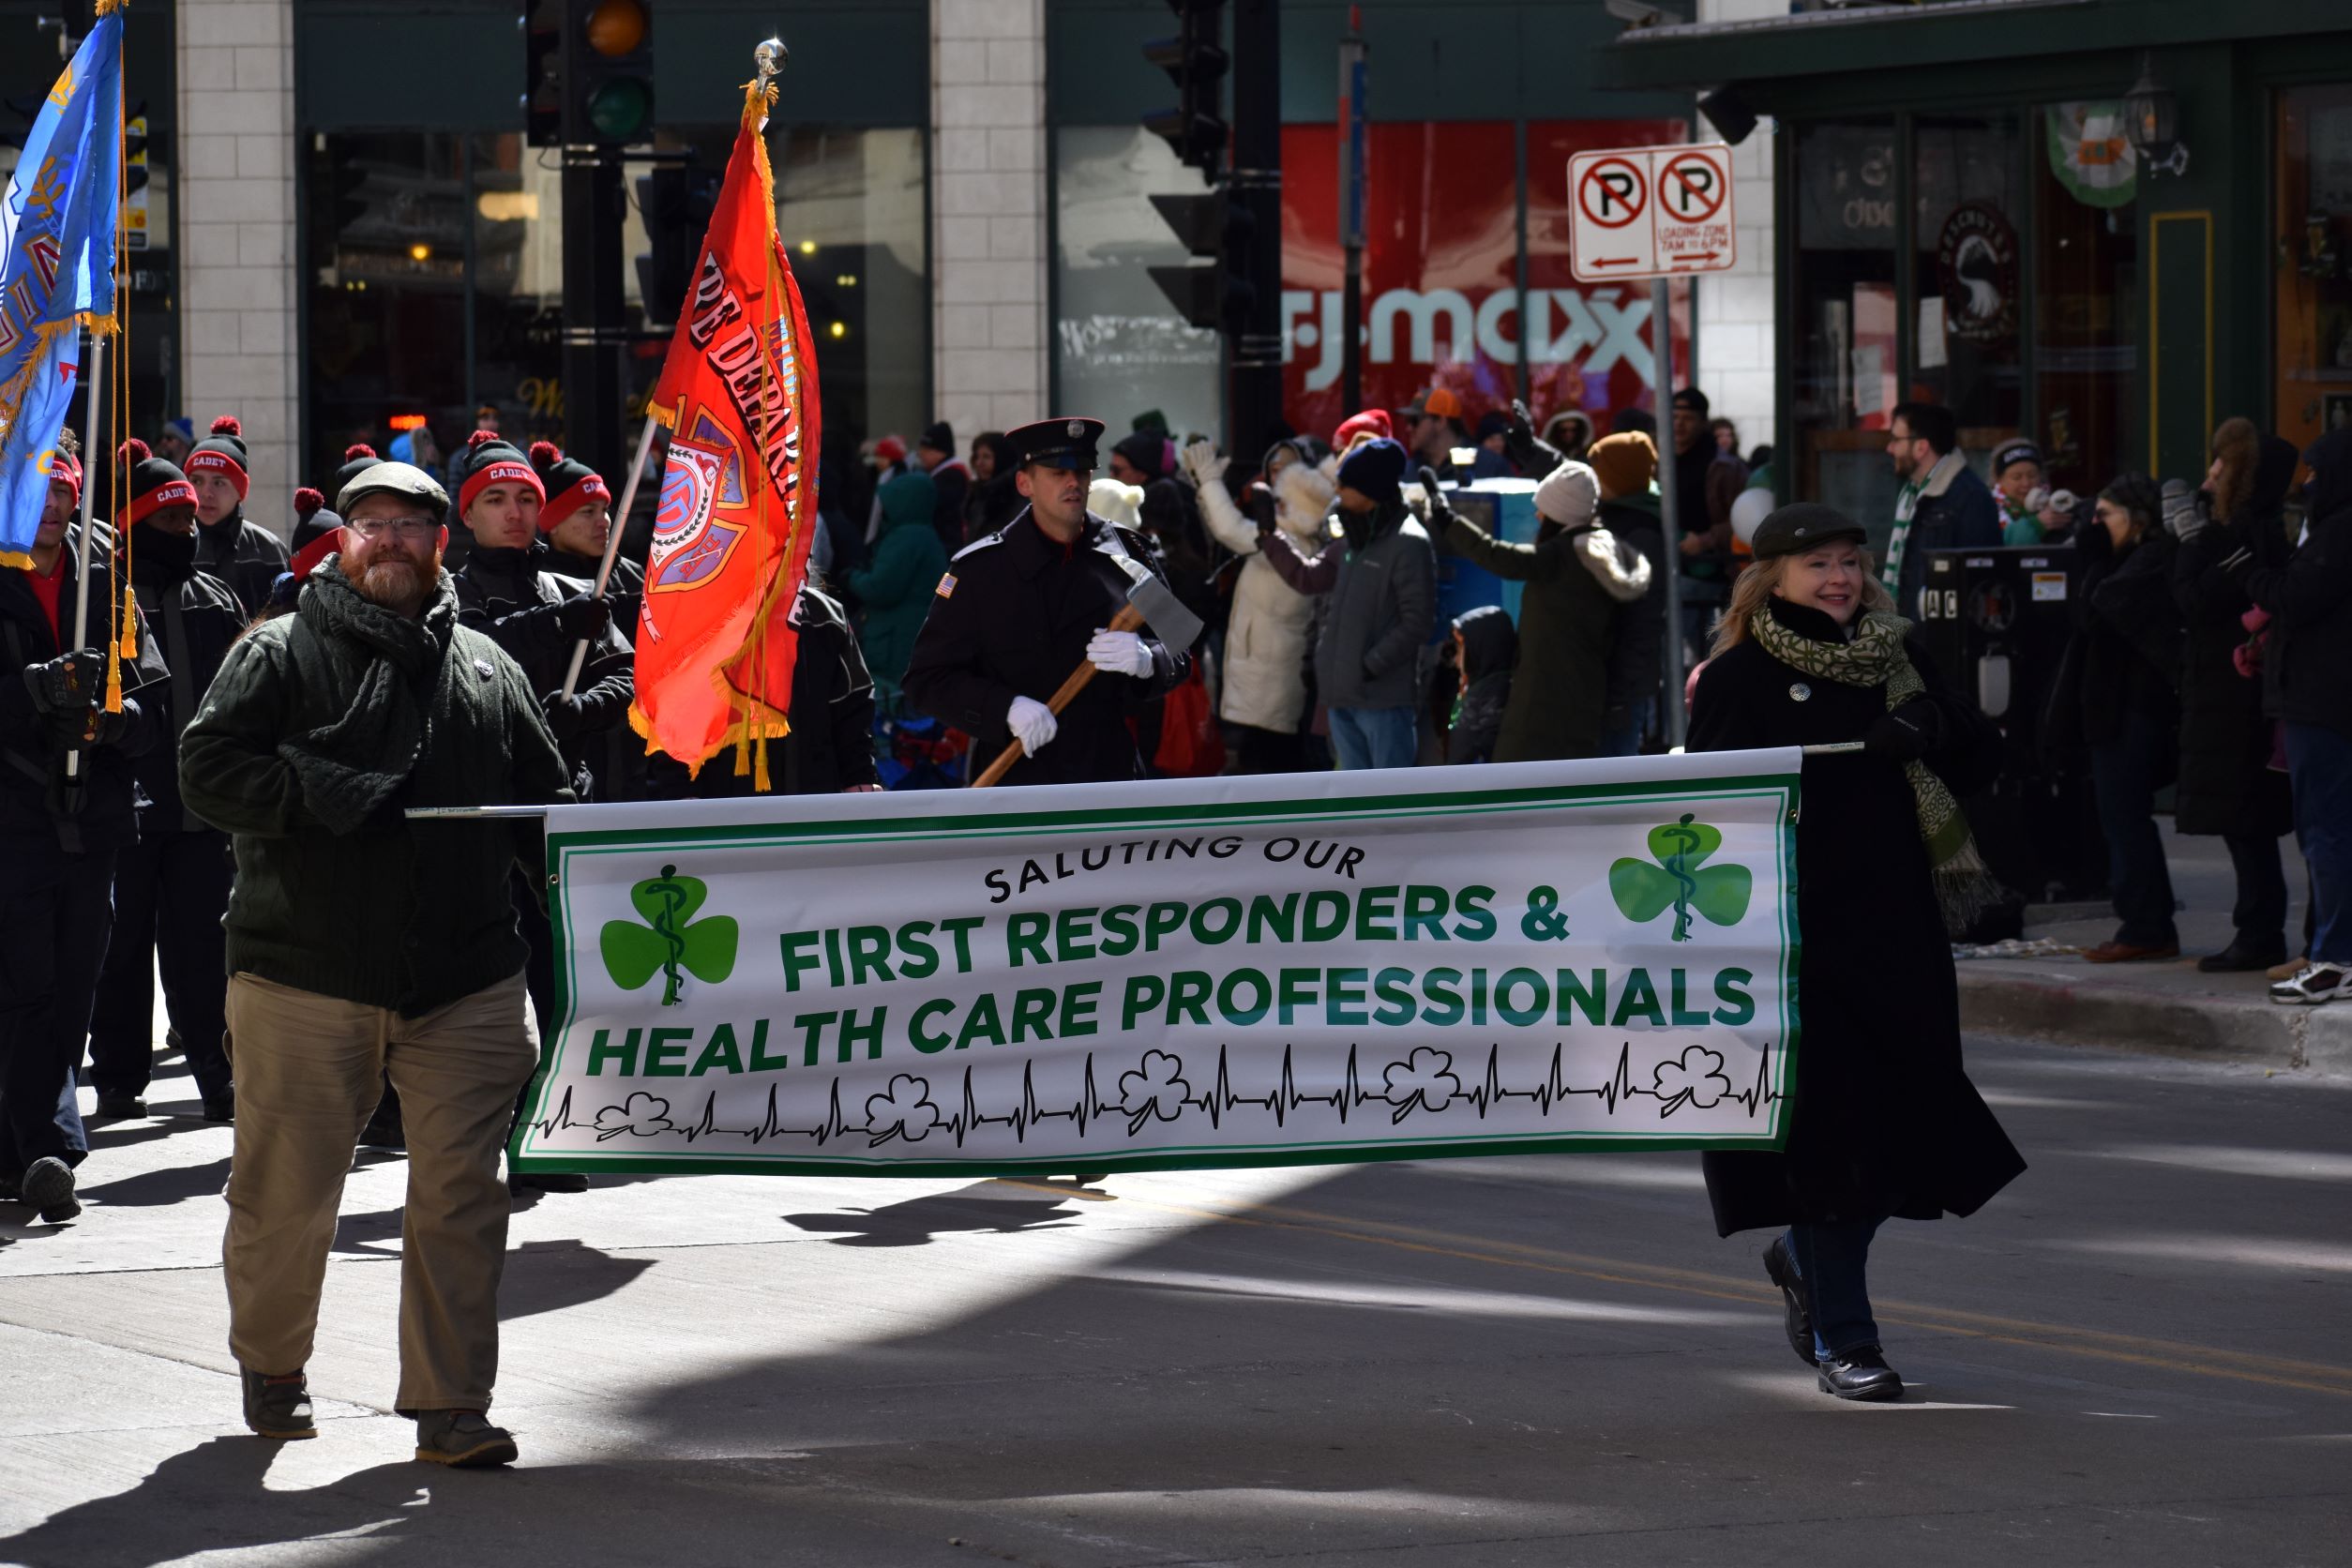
{"x":1033,"y":724}
{"x":1202,"y":461}
{"x":1119,"y":652}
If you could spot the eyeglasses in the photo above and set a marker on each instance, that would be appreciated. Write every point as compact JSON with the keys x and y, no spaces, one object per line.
{"x":405,"y":528}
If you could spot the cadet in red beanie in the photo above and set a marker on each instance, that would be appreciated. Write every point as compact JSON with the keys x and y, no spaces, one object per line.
{"x":239,"y":552}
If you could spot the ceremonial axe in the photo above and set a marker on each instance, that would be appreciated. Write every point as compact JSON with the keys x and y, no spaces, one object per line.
{"x":1153,"y":606}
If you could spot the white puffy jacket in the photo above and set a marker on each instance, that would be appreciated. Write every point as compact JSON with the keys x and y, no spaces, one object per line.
{"x":1267,"y":635}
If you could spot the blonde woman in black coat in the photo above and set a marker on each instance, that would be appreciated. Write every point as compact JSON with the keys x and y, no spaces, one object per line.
{"x":1885,"y":1123}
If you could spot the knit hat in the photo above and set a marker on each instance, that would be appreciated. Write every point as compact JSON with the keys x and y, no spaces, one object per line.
{"x":1626,"y":463}
{"x":489,"y":459}
{"x":890,"y":449}
{"x":154,"y":483}
{"x":1433,"y":402}
{"x":320,"y":544}
{"x":1147,"y":450}
{"x":357,"y":457}
{"x":311,"y":518}
{"x":567,"y":483}
{"x":1373,"y":419}
{"x":223,"y":453}
{"x":184,"y":427}
{"x":1568,"y":495}
{"x":940,"y":436}
{"x":1692,"y":399}
{"x":2010,"y":453}
{"x":1374,"y":469}
{"x":66,"y":469}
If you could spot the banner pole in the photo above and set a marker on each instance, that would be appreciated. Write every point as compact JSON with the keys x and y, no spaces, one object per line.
{"x":94,"y":390}
{"x":1661,"y":343}
{"x":612,"y":546}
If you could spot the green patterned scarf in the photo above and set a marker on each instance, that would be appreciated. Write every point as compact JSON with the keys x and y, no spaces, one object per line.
{"x":1875,"y":656}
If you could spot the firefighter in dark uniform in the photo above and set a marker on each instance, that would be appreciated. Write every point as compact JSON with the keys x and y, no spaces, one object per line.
{"x":1020,"y":608}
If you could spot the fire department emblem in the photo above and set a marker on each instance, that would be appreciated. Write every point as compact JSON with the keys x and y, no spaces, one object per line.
{"x":690,"y":544}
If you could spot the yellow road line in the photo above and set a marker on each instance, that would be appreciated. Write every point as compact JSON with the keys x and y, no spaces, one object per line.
{"x":2129,"y":1350}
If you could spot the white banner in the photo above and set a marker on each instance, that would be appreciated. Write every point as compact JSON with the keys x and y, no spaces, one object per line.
{"x":1298,"y":967}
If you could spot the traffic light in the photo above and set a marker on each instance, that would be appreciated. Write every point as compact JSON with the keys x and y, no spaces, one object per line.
{"x":1195,"y":60}
{"x":588,"y":73}
{"x":1216,"y":297}
{"x":543,"y":29}
{"x":676,"y":203}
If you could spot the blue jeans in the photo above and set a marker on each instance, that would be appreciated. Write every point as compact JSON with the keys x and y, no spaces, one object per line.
{"x":2125,"y":774}
{"x":1627,"y":741}
{"x":1373,"y":737}
{"x":2319,"y":761}
{"x":1831,"y":1259}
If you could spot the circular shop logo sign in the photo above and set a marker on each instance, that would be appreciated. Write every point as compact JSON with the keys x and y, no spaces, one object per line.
{"x":1976,"y":263}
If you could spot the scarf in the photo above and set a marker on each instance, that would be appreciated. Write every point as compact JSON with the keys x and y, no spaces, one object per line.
{"x":1875,"y":656}
{"x":351,"y":770}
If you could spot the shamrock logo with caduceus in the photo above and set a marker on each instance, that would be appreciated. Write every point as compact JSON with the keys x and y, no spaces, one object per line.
{"x":671,"y":939}
{"x":1644,"y":891}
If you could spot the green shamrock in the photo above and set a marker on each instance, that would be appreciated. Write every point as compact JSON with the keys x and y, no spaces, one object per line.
{"x":1643,"y":891}
{"x":670,"y":937}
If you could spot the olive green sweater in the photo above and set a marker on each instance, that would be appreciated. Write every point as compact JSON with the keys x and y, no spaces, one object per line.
{"x":321,"y":727}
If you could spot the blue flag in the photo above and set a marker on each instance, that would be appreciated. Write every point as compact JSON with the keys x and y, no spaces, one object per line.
{"x":57,"y":270}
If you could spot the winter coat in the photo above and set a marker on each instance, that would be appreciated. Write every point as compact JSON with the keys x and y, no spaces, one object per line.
{"x":1383,"y":586}
{"x":1578,"y":581}
{"x":1490,"y":650}
{"x":896,"y":588}
{"x":831,"y":748}
{"x":193,"y":618}
{"x":1884,"y":1118}
{"x":626,"y":590}
{"x":2307,"y":664}
{"x":244,"y":555}
{"x":951,"y":487}
{"x":617,"y":759}
{"x":2226,"y":782}
{"x":1171,"y":515}
{"x":1638,"y":626}
{"x":1956,"y":511}
{"x":288,"y":749}
{"x":32,"y":765}
{"x":503,"y":595}
{"x":1266,"y":640}
{"x":2128,"y":635}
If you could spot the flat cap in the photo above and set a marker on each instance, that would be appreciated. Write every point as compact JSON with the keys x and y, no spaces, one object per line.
{"x":1804,"y":525}
{"x":401,"y":478}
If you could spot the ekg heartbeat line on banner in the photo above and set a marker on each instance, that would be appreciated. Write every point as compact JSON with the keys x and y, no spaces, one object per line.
{"x":1156,"y":1092}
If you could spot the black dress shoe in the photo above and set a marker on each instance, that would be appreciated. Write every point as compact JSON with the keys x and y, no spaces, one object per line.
{"x":121,"y":1107}
{"x":1862,"y":1373}
{"x":1783,"y":1270}
{"x":547,"y":1181}
{"x":222,"y":1107}
{"x":2242,"y":957}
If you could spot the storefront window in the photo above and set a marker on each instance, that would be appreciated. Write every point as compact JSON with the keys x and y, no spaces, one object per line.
{"x":2087,"y":296}
{"x":1847,"y":370}
{"x":1969,"y":281}
{"x":2314,"y":280}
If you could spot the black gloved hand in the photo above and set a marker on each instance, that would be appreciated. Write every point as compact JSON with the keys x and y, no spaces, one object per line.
{"x":1439,"y":513}
{"x":1907,"y":734}
{"x":68,"y":683}
{"x":565,"y":717}
{"x":583,"y":620}
{"x":1263,"y":510}
{"x":1518,"y":440}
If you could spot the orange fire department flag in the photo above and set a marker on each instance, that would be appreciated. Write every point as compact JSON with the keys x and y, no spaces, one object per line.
{"x":714,"y":645}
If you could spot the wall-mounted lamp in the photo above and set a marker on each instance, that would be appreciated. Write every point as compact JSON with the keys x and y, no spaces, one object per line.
{"x":2152,"y":118}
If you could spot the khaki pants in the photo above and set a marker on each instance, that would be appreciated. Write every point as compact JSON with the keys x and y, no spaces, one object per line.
{"x":309,"y":1070}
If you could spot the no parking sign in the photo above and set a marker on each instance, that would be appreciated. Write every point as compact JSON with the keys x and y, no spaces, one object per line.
{"x":1651,"y":212}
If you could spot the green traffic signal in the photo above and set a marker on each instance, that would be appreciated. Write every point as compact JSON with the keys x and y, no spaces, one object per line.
{"x":619,"y":109}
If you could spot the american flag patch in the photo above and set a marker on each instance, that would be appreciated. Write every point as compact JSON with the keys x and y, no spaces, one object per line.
{"x":946,"y":588}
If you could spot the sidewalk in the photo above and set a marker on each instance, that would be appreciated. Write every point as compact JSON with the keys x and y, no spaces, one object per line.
{"x":2170,"y":1006}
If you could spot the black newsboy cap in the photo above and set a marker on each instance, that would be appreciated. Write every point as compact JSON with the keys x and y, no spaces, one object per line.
{"x":1804,"y":525}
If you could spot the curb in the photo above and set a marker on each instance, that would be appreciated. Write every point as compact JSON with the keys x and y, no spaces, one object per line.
{"x":2088,"y":1013}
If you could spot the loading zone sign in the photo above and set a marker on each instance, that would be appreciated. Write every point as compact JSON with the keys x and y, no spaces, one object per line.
{"x":1651,"y":212}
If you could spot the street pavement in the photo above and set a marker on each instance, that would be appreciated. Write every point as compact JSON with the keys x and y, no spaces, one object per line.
{"x":2136,"y":1355}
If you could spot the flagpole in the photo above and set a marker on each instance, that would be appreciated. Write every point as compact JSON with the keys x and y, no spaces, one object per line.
{"x":94,"y":390}
{"x":612,"y":546}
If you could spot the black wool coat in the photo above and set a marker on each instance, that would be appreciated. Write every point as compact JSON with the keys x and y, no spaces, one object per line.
{"x":831,"y":748}
{"x":2226,"y":783}
{"x":1885,"y":1121}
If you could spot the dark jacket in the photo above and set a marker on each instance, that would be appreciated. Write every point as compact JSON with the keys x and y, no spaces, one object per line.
{"x":2128,"y":628}
{"x":897,"y":587}
{"x":2226,"y":784}
{"x":2307,"y":666}
{"x":243,"y":554}
{"x":1012,"y":618}
{"x":951,"y":487}
{"x":1638,"y":629}
{"x":1383,"y":579}
{"x":1956,"y":511}
{"x":1577,"y":588}
{"x":308,"y":752}
{"x":32,"y":763}
{"x":1491,"y":649}
{"x":626,"y":590}
{"x":993,"y":503}
{"x":1885,"y":1121}
{"x":831,"y":748}
{"x":193,"y":617}
{"x":503,"y":595}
